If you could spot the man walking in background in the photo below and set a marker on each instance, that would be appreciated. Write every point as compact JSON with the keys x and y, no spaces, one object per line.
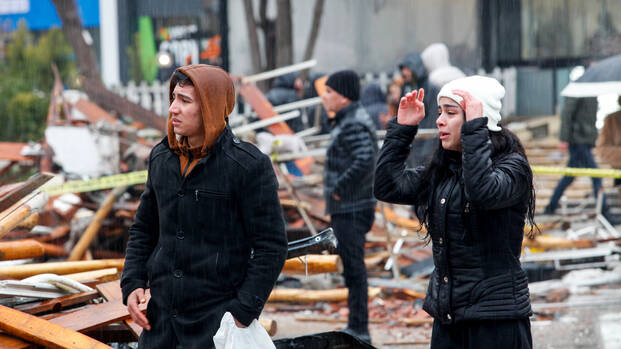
{"x":348,"y":188}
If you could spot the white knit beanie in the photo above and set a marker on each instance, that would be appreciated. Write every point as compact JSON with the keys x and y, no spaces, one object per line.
{"x":487,"y":90}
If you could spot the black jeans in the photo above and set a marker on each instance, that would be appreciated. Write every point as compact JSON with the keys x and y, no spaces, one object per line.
{"x":505,"y":334}
{"x":350,"y":229}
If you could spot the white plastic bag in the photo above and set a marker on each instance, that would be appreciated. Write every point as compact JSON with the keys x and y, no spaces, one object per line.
{"x":229,"y":336}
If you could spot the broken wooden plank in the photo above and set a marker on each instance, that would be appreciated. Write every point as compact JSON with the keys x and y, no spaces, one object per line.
{"x":56,"y":304}
{"x":100,"y":275}
{"x":42,"y":332}
{"x":308,"y":296}
{"x":95,"y":316}
{"x":59,"y":268}
{"x":20,"y":211}
{"x":313,"y":264}
{"x":23,"y":190}
{"x":28,"y":248}
{"x":112,"y":291}
{"x":547,"y":242}
{"x":89,"y":234}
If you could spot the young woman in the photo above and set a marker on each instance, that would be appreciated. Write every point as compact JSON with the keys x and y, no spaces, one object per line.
{"x":474,"y":198}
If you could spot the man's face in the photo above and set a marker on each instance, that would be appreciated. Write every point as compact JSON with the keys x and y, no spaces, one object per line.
{"x":449,"y":123}
{"x":334,"y":101}
{"x":185,"y":110}
{"x":407,"y":74}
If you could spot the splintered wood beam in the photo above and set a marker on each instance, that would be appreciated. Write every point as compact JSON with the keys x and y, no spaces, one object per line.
{"x":57,"y":304}
{"x":28,"y":248}
{"x":309,"y":296}
{"x":555,"y":243}
{"x":95,"y":316}
{"x":313,"y":264}
{"x":24,"y":189}
{"x":51,"y":335}
{"x":409,"y":224}
{"x":111,"y":291}
{"x":30,"y":221}
{"x":100,"y":275}
{"x":89,"y":234}
{"x":59,"y":268}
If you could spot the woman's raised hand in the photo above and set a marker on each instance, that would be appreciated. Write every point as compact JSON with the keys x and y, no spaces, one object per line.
{"x":471,"y":106}
{"x":411,"y":108}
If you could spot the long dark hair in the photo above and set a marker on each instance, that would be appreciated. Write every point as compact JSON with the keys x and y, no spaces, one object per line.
{"x":503,"y":142}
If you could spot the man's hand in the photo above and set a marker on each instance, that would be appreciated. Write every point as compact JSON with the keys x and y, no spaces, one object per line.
{"x":563,"y":146}
{"x":239,"y":324}
{"x":137,"y":296}
{"x":336,"y":197}
{"x":471,"y":106}
{"x":411,"y":108}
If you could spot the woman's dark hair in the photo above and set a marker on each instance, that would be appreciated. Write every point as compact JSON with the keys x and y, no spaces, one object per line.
{"x":179,"y":78}
{"x":503,"y":142}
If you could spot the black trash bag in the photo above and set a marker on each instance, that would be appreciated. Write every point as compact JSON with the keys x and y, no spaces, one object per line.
{"x":324,"y":340}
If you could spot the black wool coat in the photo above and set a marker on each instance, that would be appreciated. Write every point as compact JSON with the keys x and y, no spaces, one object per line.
{"x":476,"y":224}
{"x":205,"y":244}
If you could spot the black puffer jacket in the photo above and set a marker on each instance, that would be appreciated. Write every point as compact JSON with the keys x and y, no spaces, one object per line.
{"x":476,"y":223}
{"x":350,"y":161}
{"x":210,"y":242}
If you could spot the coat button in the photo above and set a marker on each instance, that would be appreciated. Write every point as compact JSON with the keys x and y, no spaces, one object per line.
{"x":440,"y":241}
{"x":448,"y":316}
{"x":236,"y":140}
{"x":180,"y":235}
{"x":178,"y":273}
{"x":446,"y":279}
{"x":442,"y":201}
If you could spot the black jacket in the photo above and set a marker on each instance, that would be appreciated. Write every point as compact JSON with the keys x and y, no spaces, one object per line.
{"x":205,"y":244}
{"x":476,"y":223}
{"x":424,"y":147}
{"x":578,"y":118}
{"x":350,"y":161}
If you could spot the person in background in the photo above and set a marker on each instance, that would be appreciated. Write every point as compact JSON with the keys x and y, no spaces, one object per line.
{"x":473,"y":198}
{"x":348,"y":189}
{"x":209,"y":236}
{"x":374,"y":103}
{"x":608,"y":144}
{"x":578,"y":135}
{"x":415,"y":76}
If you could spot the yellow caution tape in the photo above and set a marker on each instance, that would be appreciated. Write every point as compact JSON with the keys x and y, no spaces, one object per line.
{"x":105,"y":182}
{"x":576,"y":172}
{"x":139,"y":177}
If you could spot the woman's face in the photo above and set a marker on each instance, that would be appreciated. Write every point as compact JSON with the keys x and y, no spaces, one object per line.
{"x":449,"y":123}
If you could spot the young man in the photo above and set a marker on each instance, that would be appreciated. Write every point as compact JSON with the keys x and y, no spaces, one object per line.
{"x":348,"y":188}
{"x":208,"y":236}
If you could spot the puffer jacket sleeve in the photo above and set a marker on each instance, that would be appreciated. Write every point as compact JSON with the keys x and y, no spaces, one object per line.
{"x":393,"y":182}
{"x":359,"y":143}
{"x":490,"y":184}
{"x":143,"y":236}
{"x":265,"y":228}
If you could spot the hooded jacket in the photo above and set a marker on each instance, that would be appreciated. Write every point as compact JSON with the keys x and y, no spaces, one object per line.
{"x":436,"y":60}
{"x":374,"y":102}
{"x":578,"y":118}
{"x":212,"y":241}
{"x":423,"y":148}
{"x":476,"y":223}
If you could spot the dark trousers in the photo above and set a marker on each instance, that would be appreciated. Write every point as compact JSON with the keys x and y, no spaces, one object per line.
{"x":350,"y":229}
{"x":505,"y":334}
{"x":579,"y":156}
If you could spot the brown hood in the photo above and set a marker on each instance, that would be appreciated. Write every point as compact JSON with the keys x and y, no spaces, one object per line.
{"x":217,"y":97}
